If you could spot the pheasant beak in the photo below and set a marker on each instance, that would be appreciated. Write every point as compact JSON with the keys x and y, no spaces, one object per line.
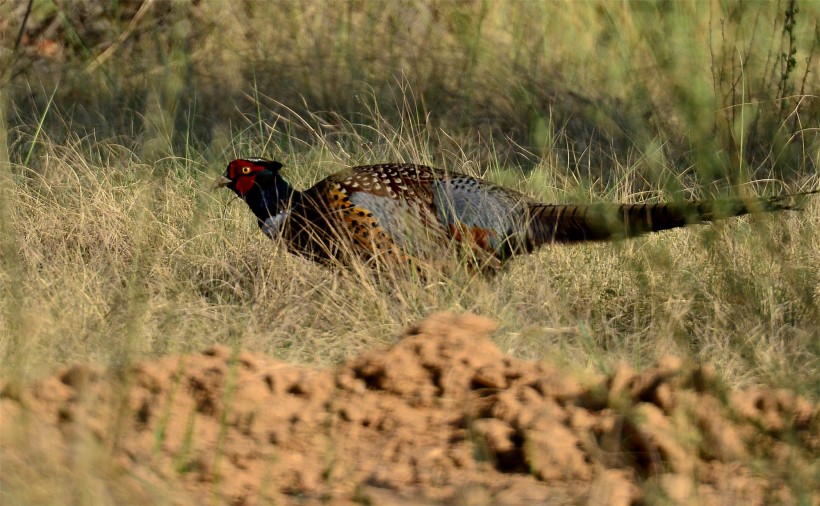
{"x":221,"y":182}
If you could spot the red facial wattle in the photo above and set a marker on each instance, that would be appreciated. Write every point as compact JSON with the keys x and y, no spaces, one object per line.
{"x":244,"y":183}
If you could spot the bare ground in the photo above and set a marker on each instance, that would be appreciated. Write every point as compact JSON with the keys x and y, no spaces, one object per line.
{"x":443,"y":416}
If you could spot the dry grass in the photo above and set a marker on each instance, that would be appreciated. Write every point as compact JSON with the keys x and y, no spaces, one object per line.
{"x":117,"y":259}
{"x":114,"y":247}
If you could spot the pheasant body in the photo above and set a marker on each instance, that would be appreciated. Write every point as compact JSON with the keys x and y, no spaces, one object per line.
{"x":397,"y":212}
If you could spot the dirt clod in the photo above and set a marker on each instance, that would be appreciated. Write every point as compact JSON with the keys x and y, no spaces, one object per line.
{"x":441,"y":416}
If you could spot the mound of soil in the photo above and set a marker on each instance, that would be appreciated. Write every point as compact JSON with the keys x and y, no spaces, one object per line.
{"x":443,"y":416}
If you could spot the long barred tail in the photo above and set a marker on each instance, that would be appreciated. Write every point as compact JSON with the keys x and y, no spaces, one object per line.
{"x":550,"y":223}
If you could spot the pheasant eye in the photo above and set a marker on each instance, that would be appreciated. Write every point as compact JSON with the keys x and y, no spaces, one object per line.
{"x":246,"y":170}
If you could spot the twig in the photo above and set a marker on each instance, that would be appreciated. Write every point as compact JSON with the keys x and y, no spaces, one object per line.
{"x":23,"y":25}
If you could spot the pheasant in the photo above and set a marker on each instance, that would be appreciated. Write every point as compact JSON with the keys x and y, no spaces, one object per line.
{"x":401,"y":212}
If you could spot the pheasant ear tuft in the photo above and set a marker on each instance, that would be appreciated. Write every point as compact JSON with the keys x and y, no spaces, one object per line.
{"x":271,"y":165}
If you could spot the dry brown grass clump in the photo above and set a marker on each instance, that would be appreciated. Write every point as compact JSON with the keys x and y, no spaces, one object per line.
{"x":717,"y":86}
{"x":109,"y":259}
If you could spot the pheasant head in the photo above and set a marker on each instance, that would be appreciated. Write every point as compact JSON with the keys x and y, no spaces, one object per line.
{"x":257,"y":181}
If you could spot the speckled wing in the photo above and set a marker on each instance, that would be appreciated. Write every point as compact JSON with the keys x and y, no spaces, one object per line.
{"x":383,"y":209}
{"x":415,"y":205}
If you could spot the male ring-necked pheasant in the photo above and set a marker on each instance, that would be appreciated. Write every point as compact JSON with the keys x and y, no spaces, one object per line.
{"x":403,"y":211}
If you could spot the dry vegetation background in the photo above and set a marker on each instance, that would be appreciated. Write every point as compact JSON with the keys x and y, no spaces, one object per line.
{"x":116,"y":117}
